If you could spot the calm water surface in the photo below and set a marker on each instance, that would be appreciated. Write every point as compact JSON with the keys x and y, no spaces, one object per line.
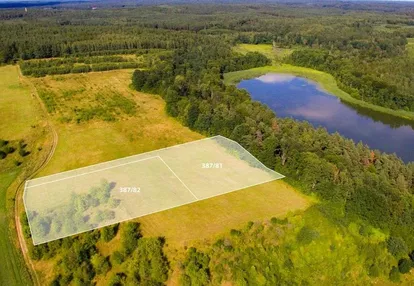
{"x":291,"y":96}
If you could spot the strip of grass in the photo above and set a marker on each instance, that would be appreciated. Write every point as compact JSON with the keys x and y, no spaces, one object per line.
{"x":410,"y":47}
{"x":17,"y":106}
{"x":12,"y":271}
{"x":275,"y":54}
{"x":21,"y":121}
{"x":326,"y":81}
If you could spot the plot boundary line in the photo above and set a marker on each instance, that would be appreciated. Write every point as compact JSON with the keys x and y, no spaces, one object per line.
{"x":27,"y":214}
{"x":91,"y":172}
{"x":157,"y":150}
{"x":148,"y":157}
{"x":179,"y":178}
{"x":263,"y":165}
{"x":158,"y":211}
{"x":125,"y":220}
{"x":124,"y":158}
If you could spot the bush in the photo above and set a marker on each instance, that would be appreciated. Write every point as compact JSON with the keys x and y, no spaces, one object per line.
{"x":23,"y":152}
{"x":235,"y":232}
{"x":149,"y":262}
{"x":374,"y":271}
{"x":139,"y":78}
{"x":116,"y":279}
{"x":405,"y":265}
{"x":117,"y":258}
{"x":196,"y":268}
{"x":48,"y":99}
{"x":25,"y":225}
{"x":306,"y":235}
{"x":396,"y":246}
{"x":2,"y":155}
{"x":130,"y":236}
{"x":83,"y":274}
{"x":9,"y":149}
{"x":412,"y":256}
{"x":105,"y":67}
{"x":109,"y":232}
{"x":81,"y":69}
{"x":275,"y":220}
{"x":394,"y":274}
{"x":100,"y":264}
{"x":38,"y":252}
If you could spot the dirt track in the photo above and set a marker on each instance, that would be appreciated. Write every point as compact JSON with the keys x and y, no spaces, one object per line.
{"x":20,"y":187}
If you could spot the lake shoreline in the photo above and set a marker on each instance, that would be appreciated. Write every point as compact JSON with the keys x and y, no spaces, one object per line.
{"x":302,"y":99}
{"x":326,"y":81}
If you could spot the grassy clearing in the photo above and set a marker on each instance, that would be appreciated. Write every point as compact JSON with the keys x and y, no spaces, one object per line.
{"x":150,"y":128}
{"x":273,"y":53}
{"x":97,"y":140}
{"x":184,"y":226}
{"x":325,"y":80}
{"x":71,"y":104}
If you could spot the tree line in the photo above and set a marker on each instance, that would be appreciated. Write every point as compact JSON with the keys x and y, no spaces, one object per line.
{"x":138,"y":260}
{"x":372,"y":80}
{"x":362,"y":48}
{"x":39,"y":68}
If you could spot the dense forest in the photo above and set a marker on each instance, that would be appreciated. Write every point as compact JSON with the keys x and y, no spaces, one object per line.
{"x":358,"y":183}
{"x":357,"y":187}
{"x":366,"y":52}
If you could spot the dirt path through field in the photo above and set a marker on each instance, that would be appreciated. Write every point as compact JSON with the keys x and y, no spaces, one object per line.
{"x":20,"y":188}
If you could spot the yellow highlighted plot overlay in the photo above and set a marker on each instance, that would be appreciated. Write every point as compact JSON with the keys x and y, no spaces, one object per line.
{"x":76,"y":201}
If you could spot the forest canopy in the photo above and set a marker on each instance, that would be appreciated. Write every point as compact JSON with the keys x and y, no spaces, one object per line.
{"x":365,"y":197}
{"x":365,"y":51}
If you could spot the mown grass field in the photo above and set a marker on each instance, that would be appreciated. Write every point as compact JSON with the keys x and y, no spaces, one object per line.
{"x":149,"y":128}
{"x":325,"y":80}
{"x":21,"y":120}
{"x":17,"y":105}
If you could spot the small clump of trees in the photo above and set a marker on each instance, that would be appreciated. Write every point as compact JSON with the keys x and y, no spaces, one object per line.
{"x":196,"y":269}
{"x":8,"y":148}
{"x":5,"y":149}
{"x":74,"y":217}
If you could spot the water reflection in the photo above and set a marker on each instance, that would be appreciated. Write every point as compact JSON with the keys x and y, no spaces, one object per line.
{"x":276,"y":78}
{"x":388,"y":119}
{"x":295,"y":97}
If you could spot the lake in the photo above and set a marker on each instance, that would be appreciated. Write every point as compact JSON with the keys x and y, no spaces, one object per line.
{"x":299,"y":98}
